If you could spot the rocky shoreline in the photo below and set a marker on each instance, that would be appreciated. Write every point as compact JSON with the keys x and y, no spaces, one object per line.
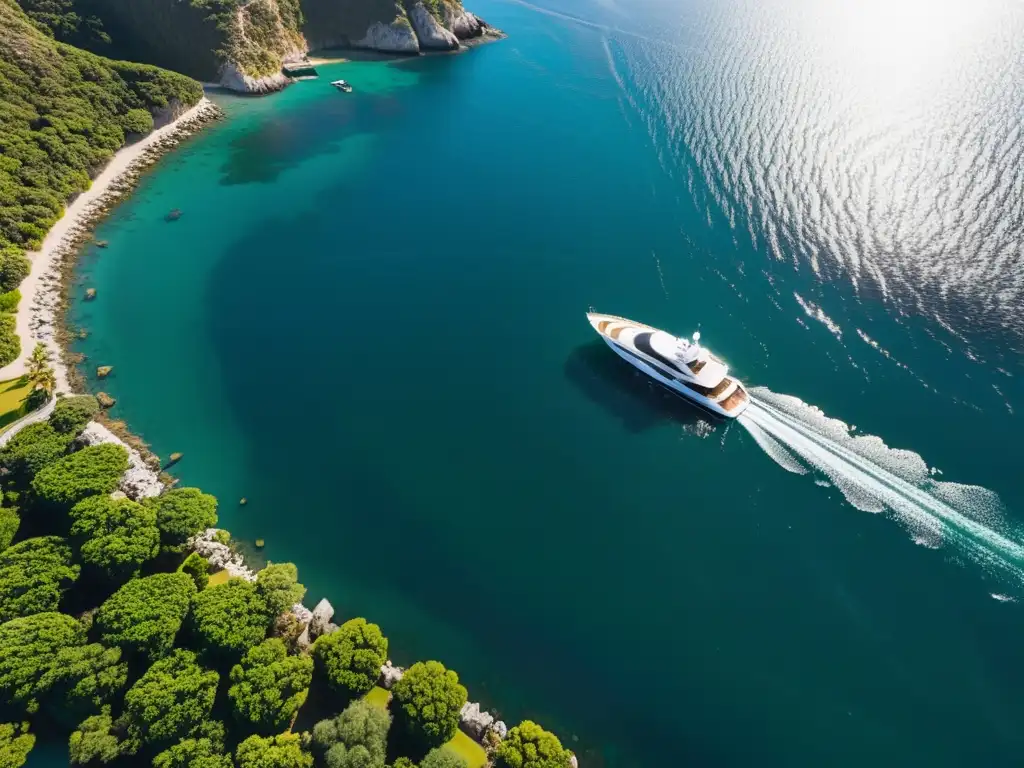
{"x":476,"y":722}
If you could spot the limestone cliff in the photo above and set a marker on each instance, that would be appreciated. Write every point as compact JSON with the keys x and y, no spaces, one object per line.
{"x":241,"y":44}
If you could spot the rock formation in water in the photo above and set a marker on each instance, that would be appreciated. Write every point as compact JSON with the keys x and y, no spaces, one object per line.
{"x":243,"y":44}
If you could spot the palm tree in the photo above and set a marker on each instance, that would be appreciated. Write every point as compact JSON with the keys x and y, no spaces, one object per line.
{"x":40,"y":372}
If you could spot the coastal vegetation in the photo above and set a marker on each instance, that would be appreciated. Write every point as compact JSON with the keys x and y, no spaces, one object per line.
{"x":114,"y":638}
{"x":63,"y":113}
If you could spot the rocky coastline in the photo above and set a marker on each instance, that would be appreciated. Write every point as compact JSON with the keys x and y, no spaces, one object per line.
{"x":213,"y":544}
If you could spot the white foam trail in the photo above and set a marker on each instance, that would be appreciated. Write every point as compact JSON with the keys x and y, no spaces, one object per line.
{"x":875,"y":478}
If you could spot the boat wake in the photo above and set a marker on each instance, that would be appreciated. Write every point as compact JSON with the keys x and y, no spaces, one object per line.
{"x":875,"y":478}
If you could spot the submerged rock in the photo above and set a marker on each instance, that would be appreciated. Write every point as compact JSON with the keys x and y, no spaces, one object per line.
{"x":103,"y":371}
{"x":105,"y":400}
{"x":90,"y":294}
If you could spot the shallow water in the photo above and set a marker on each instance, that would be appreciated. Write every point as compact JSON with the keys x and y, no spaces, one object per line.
{"x":369,"y":322}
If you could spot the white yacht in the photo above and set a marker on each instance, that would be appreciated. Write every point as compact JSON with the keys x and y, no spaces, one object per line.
{"x":342,"y":85}
{"x":681,"y":365}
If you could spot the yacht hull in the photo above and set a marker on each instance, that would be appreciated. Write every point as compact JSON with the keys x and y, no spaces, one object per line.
{"x":687,"y":392}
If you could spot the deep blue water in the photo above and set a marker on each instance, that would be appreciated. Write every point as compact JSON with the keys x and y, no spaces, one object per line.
{"x":369,"y":321}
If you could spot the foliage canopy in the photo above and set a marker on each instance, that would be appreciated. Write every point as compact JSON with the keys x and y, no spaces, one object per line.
{"x":351,"y":656}
{"x":91,"y":471}
{"x":144,"y":616}
{"x":429,"y":699}
{"x":115,"y":536}
{"x":530,"y":746}
{"x":34,"y":574}
{"x":269,"y":686}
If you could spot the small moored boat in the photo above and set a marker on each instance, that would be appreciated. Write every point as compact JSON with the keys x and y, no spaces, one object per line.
{"x":342,"y":85}
{"x":681,"y":365}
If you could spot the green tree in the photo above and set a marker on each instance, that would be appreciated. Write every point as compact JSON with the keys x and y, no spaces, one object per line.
{"x":442,"y":757}
{"x":351,"y":657}
{"x":229,"y":618}
{"x":269,"y":686}
{"x":115,"y":536}
{"x":282,"y":751}
{"x":278,"y":585}
{"x":182,"y":513}
{"x":34,"y":574}
{"x":93,"y":470}
{"x":83,"y":678}
{"x":138,"y":121}
{"x":144,"y":616}
{"x":40,"y":372}
{"x":173,"y":697}
{"x":202,"y":749}
{"x":9,"y":524}
{"x":530,"y":746}
{"x":96,"y":741}
{"x":197,"y":566}
{"x":10,"y":345}
{"x":357,"y":736}
{"x":14,"y":268}
{"x":31,"y":449}
{"x":29,"y":648}
{"x":403,"y":762}
{"x":15,"y":744}
{"x":71,"y":414}
{"x":429,"y":699}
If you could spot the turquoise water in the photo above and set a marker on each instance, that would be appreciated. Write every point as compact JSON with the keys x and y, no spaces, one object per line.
{"x":369,"y":322}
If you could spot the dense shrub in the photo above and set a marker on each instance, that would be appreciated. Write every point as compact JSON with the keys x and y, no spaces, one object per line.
{"x":429,"y":702}
{"x":9,"y":524}
{"x":29,"y":648}
{"x":95,"y":741}
{"x":194,"y":753}
{"x":93,"y":470}
{"x":182,"y":513}
{"x":278,"y":585}
{"x":34,"y":574}
{"x":229,"y":618}
{"x":356,"y":737}
{"x":10,"y":345}
{"x":71,"y":414}
{"x":144,"y":616}
{"x":196,"y":566}
{"x":174,"y":696}
{"x":350,"y":658}
{"x":114,"y":536}
{"x":9,"y":301}
{"x":15,"y":744}
{"x":269,"y":686}
{"x":14,"y":268}
{"x":139,"y":121}
{"x":31,"y":449}
{"x":530,"y":746}
{"x":282,"y":751}
{"x":83,"y":678}
{"x":440,"y":757}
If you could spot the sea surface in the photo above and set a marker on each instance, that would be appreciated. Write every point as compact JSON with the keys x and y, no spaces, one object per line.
{"x":369,"y":322}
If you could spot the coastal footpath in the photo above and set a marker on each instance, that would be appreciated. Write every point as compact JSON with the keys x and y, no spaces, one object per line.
{"x":130,"y":627}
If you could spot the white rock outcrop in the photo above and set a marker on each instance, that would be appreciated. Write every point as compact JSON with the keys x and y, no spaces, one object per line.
{"x":432,"y":36}
{"x":396,"y":37}
{"x":474,"y":721}
{"x":463,"y":24}
{"x":139,"y":481}
{"x":302,"y":613}
{"x":500,"y":729}
{"x":220,"y":556}
{"x":573,"y":762}
{"x":390,"y":674}
{"x":232,"y":78}
{"x":320,"y":621}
